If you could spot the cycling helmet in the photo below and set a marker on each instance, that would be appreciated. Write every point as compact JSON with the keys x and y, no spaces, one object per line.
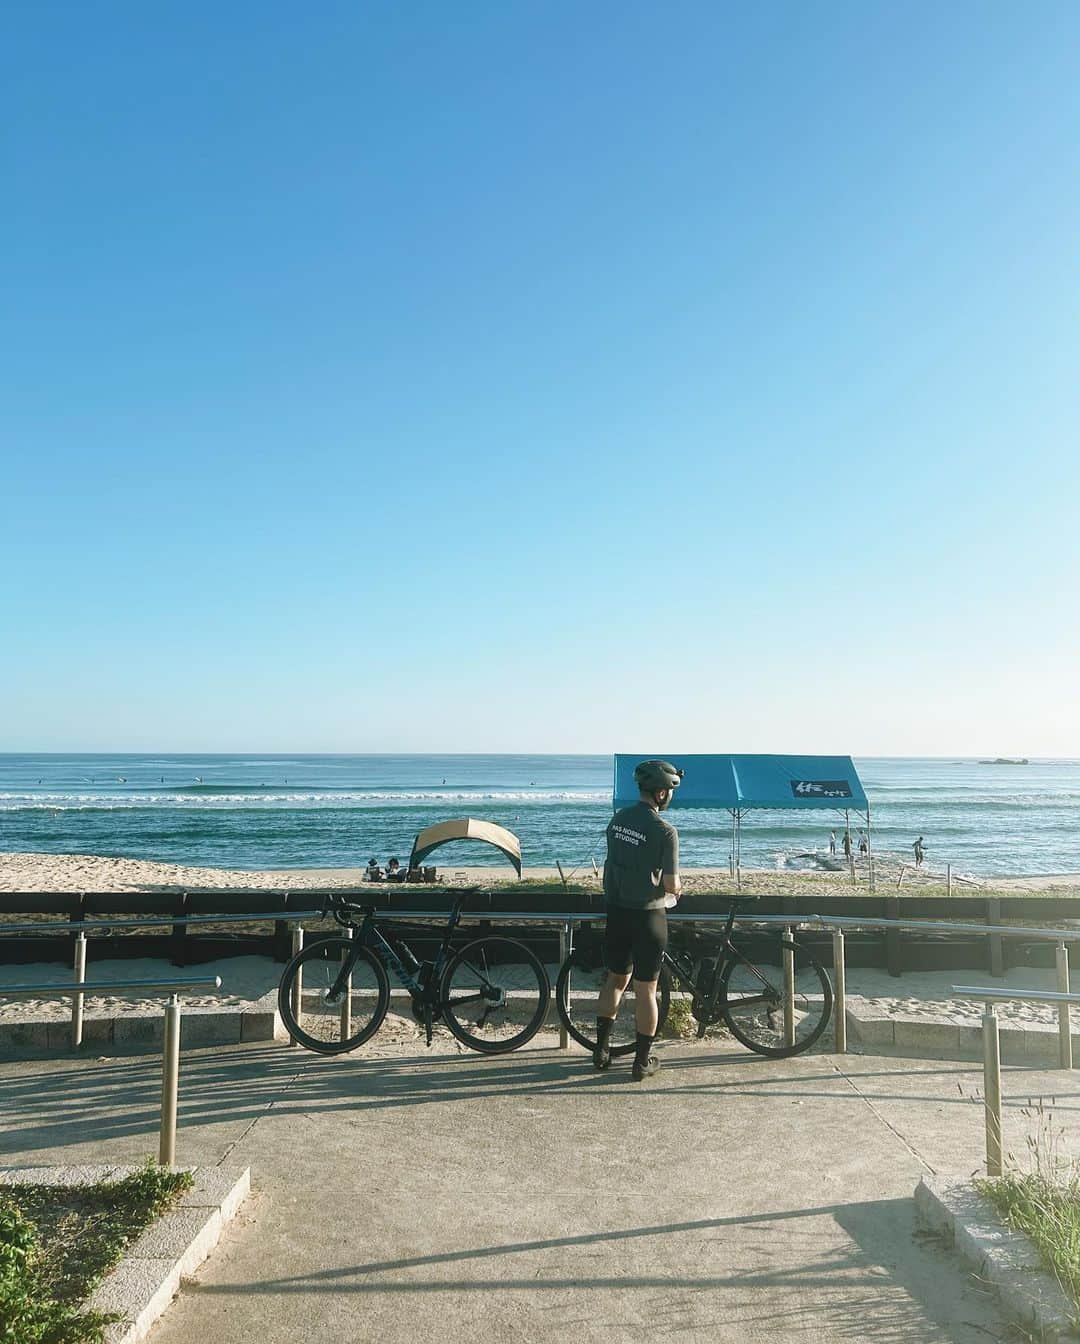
{"x":652,"y":775}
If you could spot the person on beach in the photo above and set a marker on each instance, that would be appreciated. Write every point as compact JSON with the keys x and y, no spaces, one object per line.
{"x":847,"y":844}
{"x":641,"y":880}
{"x":832,"y":842}
{"x":918,"y":848}
{"x":864,"y":848}
{"x":373,"y":872}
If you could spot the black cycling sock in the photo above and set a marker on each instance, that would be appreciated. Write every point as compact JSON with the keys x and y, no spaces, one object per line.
{"x":603,"y":1031}
{"x":644,"y":1045}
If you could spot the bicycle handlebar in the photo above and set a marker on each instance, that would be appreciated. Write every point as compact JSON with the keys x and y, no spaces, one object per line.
{"x":343,"y":910}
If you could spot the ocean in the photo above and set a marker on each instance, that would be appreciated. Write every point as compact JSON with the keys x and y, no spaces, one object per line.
{"x":276,"y":811}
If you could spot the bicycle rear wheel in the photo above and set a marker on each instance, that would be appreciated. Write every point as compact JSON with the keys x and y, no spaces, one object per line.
{"x":751,"y":1000}
{"x":333,"y":1016}
{"x":579,"y":983}
{"x":494,"y":995}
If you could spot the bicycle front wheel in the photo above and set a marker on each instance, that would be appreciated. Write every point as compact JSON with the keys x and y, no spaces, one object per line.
{"x":577,"y":988}
{"x":325,"y":1012}
{"x":494,"y":995}
{"x":752,"y":1002}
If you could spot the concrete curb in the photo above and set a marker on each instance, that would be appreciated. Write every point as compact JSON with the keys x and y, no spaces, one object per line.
{"x":148,"y":1277}
{"x":1028,"y":1294}
{"x":261,"y":1021}
{"x":920,"y":1037}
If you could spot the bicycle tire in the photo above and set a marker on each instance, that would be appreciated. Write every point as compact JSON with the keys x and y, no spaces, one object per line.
{"x":320,"y":965}
{"x":509,"y":986}
{"x":760,"y":1027}
{"x":577,"y":976}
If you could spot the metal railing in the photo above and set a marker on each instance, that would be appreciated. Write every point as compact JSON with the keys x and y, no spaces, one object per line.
{"x":567,"y":921}
{"x":990,"y":995}
{"x":170,"y":1053}
{"x":839,"y":923}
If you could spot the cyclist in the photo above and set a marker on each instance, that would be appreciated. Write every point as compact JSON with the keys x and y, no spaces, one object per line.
{"x":641,"y":881}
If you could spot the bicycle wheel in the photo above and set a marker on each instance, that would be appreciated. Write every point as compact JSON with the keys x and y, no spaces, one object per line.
{"x":494,"y":995}
{"x":579,"y":983}
{"x":751,"y":1000}
{"x":333,"y":1017}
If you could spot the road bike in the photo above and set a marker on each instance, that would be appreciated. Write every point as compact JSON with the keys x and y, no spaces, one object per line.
{"x":492,"y":993}
{"x":720,"y":983}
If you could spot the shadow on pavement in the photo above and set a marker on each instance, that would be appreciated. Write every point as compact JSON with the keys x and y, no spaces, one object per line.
{"x":73,"y":1101}
{"x":897,"y":1303}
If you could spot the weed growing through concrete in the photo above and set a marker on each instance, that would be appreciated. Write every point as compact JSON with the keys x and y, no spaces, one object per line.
{"x":679,"y":1023}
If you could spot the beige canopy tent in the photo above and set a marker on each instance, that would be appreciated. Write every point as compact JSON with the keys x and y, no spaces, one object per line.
{"x":466,"y":828}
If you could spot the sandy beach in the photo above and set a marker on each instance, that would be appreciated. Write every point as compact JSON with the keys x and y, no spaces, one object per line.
{"x":95,"y":873}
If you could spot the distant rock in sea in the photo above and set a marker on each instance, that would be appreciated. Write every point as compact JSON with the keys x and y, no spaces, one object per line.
{"x":1006,"y":760}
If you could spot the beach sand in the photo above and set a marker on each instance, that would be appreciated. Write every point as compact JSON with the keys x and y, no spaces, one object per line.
{"x":95,"y":873}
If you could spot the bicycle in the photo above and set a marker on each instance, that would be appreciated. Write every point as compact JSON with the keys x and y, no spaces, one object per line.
{"x":493,"y":993}
{"x":723,"y":985}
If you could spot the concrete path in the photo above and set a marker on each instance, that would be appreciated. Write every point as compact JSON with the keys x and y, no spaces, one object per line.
{"x":438,"y":1196}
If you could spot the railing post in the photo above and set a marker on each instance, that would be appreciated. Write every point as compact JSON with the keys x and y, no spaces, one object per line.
{"x":298,"y":979}
{"x":77,"y":999}
{"x":992,"y":1089}
{"x":1064,"y":1015}
{"x":840,"y":985}
{"x":564,"y":952}
{"x":346,"y":1002}
{"x":170,"y":1081}
{"x":789,"y":986}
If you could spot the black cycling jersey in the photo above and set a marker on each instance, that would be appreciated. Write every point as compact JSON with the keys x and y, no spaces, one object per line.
{"x":642,"y":849}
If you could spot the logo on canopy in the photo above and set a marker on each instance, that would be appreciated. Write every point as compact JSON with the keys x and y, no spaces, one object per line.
{"x":821,"y":788}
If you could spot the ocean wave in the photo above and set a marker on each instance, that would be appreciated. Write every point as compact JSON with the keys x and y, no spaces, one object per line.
{"x":62,"y":802}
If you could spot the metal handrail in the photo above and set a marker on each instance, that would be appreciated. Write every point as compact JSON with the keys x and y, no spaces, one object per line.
{"x":992,"y":1045}
{"x":988,"y":992}
{"x":171,"y":986}
{"x":60,"y":925}
{"x":942,"y":926}
{"x":170,"y":1055}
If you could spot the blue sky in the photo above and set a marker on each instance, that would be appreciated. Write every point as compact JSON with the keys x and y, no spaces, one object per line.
{"x":541,"y":376}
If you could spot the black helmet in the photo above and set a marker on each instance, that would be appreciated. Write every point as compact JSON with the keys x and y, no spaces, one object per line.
{"x":652,"y":775}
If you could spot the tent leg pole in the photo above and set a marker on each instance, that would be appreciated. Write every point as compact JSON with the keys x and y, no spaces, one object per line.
{"x":869,"y":849}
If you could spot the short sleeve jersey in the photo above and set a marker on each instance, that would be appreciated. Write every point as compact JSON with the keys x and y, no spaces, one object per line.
{"x":642,"y":848}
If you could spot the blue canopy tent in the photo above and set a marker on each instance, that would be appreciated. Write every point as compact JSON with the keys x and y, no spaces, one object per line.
{"x":740,"y":784}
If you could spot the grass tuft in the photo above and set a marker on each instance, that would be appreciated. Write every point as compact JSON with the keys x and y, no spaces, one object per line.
{"x":1044,"y":1200}
{"x":57,"y":1243}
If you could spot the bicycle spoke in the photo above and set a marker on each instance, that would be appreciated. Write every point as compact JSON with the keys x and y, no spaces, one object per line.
{"x":333,"y":1013}
{"x":759,"y":1020}
{"x":494,"y":995}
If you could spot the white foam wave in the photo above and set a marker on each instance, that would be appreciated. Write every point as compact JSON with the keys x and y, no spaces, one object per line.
{"x":62,"y":802}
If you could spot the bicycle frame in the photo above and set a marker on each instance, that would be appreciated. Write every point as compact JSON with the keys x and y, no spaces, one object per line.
{"x":369,"y":935}
{"x":726,"y":953}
